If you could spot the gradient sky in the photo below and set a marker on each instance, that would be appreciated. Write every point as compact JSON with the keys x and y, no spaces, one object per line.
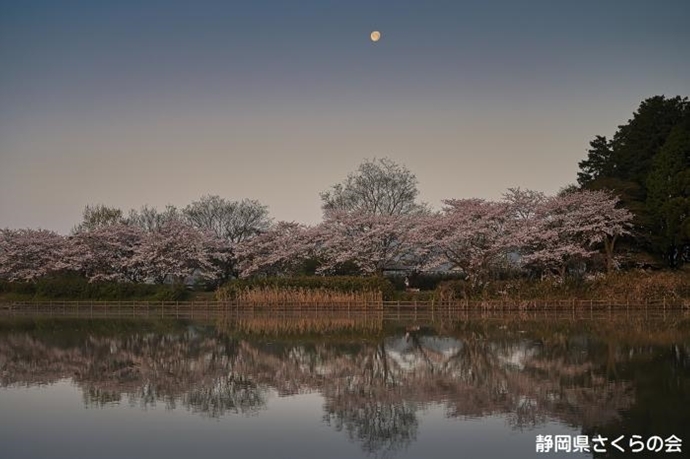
{"x":154,"y":102}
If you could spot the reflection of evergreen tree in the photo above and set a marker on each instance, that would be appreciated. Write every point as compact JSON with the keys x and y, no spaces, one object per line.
{"x":662,"y":398}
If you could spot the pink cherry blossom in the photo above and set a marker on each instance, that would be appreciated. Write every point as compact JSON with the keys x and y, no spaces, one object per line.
{"x":27,"y":254}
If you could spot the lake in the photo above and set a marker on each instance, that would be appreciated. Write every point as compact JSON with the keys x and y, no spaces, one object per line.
{"x":488,"y":386}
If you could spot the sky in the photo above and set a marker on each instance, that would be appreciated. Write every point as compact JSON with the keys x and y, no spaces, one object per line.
{"x":161,"y":102}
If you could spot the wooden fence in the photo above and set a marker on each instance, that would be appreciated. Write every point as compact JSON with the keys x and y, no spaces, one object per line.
{"x":385,"y":310}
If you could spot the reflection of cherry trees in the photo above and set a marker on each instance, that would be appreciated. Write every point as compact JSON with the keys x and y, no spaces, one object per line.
{"x":184,"y":369}
{"x":366,"y":399}
{"x":380,"y":427}
{"x":227,"y":394}
{"x":372,"y":390}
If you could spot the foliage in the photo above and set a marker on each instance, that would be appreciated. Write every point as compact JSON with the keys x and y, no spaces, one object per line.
{"x":668,"y":202}
{"x":633,"y":166}
{"x":423,"y":281}
{"x":75,"y":287}
{"x":640,"y":285}
{"x":599,"y":162}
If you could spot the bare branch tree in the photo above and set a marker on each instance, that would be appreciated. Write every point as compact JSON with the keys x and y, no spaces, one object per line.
{"x":378,"y":187}
{"x":235,"y":221}
{"x":151,"y":219}
{"x":98,"y":216}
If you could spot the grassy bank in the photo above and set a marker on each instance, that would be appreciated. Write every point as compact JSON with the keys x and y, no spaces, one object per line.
{"x":621,"y":287}
{"x":75,"y":288}
{"x":631,"y":286}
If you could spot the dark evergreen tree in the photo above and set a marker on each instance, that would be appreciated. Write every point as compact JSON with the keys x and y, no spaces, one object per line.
{"x":626,"y":163}
{"x":598,"y":163}
{"x":668,"y":198}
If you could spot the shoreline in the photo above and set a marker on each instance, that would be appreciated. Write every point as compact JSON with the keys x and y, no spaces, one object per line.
{"x":352,"y":306}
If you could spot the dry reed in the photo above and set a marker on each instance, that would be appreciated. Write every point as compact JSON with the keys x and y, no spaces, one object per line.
{"x":277,"y":296}
{"x":269,"y":326}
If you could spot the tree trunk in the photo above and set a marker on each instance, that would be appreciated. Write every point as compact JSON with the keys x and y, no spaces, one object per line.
{"x":609,"y":246}
{"x":562,"y":270}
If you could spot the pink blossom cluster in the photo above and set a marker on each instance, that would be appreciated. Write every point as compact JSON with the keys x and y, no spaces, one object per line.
{"x":524,"y":230}
{"x":114,"y":252}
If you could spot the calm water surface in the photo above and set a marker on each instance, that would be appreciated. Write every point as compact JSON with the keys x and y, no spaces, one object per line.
{"x":485,"y":388}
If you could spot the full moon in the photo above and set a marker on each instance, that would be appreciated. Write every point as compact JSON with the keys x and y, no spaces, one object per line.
{"x":375,"y":36}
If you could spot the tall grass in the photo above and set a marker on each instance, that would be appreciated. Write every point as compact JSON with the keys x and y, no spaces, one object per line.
{"x":281,"y":296}
{"x":341,"y":284}
{"x":631,"y":286}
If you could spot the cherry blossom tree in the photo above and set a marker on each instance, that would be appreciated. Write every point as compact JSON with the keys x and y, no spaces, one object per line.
{"x":567,"y":228}
{"x":548,"y":247}
{"x":106,"y":253}
{"x":523,"y":204}
{"x":280,"y":250}
{"x":602,"y":219}
{"x":522,"y":207}
{"x":468,"y":235}
{"x":371,"y":242}
{"x":177,"y":251}
{"x":28,"y":254}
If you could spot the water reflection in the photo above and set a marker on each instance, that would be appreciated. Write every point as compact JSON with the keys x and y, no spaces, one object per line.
{"x":374,"y":387}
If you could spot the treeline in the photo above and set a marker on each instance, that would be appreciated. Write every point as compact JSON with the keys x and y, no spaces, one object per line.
{"x":633,"y":194}
{"x":526,"y":233}
{"x":145,"y":246}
